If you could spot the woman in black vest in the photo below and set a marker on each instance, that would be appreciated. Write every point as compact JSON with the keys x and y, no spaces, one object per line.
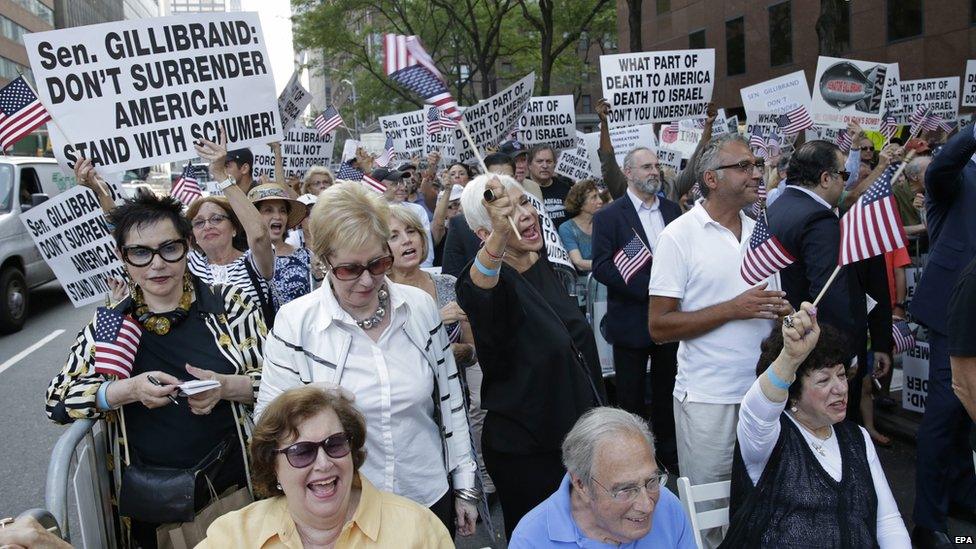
{"x":802,"y":476}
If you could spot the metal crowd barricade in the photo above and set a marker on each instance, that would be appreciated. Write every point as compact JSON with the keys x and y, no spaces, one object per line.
{"x":79,"y":461}
{"x":596,"y":309}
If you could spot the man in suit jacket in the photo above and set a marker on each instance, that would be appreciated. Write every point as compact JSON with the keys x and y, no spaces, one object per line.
{"x":944,"y":467}
{"x":637,"y":218}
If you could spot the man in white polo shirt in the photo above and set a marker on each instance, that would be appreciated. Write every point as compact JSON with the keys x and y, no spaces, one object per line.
{"x":698,"y":297}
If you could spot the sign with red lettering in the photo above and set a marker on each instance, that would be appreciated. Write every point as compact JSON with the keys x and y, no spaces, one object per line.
{"x":847,"y":90}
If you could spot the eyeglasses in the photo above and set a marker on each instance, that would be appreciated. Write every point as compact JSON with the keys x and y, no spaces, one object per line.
{"x":214,"y":220}
{"x":843,"y":173}
{"x":867,"y":148}
{"x":745,"y":165}
{"x":352,"y":271}
{"x":630,"y":493}
{"x":170,"y":251}
{"x":302,"y":454}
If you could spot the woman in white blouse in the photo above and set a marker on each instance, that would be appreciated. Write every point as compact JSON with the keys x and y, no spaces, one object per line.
{"x":384,"y":343}
{"x":803,"y":476}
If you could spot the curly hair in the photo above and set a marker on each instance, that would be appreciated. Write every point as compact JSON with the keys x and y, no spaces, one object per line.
{"x":577,"y":196}
{"x":280,"y":422}
{"x":831,"y":350}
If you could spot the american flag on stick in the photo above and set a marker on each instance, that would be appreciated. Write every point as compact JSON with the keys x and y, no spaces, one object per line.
{"x":758,"y":145}
{"x":328,"y":121}
{"x":765,"y":255}
{"x":186,"y":189}
{"x":872,"y":226}
{"x":795,"y":121}
{"x":888,"y":126}
{"x":407,"y":63}
{"x":21,"y":112}
{"x":902,"y":335}
{"x":116,"y":342}
{"x":388,"y":155}
{"x":844,"y":141}
{"x":438,"y":122}
{"x":348,"y":172}
{"x":631,"y":258}
{"x":374,"y":184}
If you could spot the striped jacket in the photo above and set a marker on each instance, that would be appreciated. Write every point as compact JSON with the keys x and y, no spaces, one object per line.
{"x":237,"y":327}
{"x":306,"y":346}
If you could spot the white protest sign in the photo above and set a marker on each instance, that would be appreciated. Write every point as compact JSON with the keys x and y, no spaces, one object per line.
{"x":407,"y":132}
{"x":969,"y":85}
{"x":623,"y":139}
{"x":575,"y":163}
{"x":915,"y":367}
{"x":134,"y":93}
{"x":301,"y":149}
{"x":683,"y":140}
{"x":372,"y":143}
{"x":75,"y":241}
{"x":778,"y":95}
{"x":719,"y":127}
{"x":292,"y":102}
{"x":847,"y":90}
{"x":554,"y":246}
{"x":669,"y":157}
{"x":349,"y":149}
{"x":941,"y":95}
{"x":892,"y":92}
{"x":548,"y":121}
{"x":657,"y":86}
{"x":491,"y":119}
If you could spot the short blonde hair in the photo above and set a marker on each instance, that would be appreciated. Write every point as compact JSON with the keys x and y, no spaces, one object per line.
{"x":312,"y":172}
{"x":411,"y":221}
{"x":348,"y":216}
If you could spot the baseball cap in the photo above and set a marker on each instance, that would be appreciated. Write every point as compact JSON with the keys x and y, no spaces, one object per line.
{"x":385,"y":174}
{"x":513,"y":148}
{"x":241,"y":157}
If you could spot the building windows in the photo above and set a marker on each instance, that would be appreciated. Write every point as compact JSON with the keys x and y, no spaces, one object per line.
{"x":12,"y":31}
{"x":586,"y":104}
{"x":38,"y":9}
{"x":780,"y":34}
{"x":735,"y":46}
{"x":9,"y":70}
{"x":663,"y":6}
{"x":904,"y":19}
{"x":696,"y":40}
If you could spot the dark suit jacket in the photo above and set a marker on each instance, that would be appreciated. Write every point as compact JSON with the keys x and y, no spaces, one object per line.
{"x":613,"y":228}
{"x":950,"y":205}
{"x":460,"y":246}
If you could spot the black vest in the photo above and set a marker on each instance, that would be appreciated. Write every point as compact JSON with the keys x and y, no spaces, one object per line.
{"x":797,"y":504}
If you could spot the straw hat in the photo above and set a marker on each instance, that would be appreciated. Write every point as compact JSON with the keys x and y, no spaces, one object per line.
{"x":274,"y":191}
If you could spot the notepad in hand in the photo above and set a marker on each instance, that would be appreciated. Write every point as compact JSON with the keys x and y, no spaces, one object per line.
{"x":196,"y":386}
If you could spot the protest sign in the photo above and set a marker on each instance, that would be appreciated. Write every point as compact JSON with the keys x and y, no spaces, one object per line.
{"x":372,"y":143}
{"x":301,"y":149}
{"x":407,"y":132}
{"x":657,"y":86}
{"x":915,"y":367}
{"x":683,"y":140}
{"x":847,"y":90}
{"x":491,"y":120}
{"x":719,"y":127}
{"x":670,"y":158}
{"x":554,"y":246}
{"x":969,"y":86}
{"x":548,"y":121}
{"x":940,"y":95}
{"x":575,"y":163}
{"x":349,"y":149}
{"x":74,"y":239}
{"x":292,"y":102}
{"x":892,"y":91}
{"x":778,"y":95}
{"x":134,"y":93}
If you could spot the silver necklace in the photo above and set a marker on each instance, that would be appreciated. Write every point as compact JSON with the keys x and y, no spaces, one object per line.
{"x":377,"y":318}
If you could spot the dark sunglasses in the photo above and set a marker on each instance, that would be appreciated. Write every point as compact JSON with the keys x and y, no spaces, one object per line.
{"x":302,"y":454}
{"x":867,"y":148}
{"x":745,"y":165}
{"x":170,"y":251}
{"x":352,"y":271}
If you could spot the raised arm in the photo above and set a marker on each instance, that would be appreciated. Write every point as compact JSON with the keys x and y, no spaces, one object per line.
{"x":943,"y":178}
{"x":613,"y":176}
{"x":86,"y":176}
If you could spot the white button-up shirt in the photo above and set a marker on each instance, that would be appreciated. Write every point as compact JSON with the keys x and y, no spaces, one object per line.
{"x":650,"y":218}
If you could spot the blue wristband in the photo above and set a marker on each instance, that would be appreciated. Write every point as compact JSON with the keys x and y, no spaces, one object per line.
{"x":775,"y":380}
{"x":485,"y":270}
{"x":100,"y":399}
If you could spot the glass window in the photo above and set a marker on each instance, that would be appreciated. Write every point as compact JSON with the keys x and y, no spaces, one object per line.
{"x":587,"y":104}
{"x":696,"y":40}
{"x":6,"y":186}
{"x":904,"y":19}
{"x":38,"y":9}
{"x":780,"y":35}
{"x":735,"y":46}
{"x":663,"y":6}
{"x":11,"y":30}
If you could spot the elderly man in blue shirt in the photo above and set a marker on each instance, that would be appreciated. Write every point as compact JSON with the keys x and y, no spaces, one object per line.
{"x":613,"y":494}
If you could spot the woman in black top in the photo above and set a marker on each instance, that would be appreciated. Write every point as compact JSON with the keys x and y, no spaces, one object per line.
{"x":538,"y":354}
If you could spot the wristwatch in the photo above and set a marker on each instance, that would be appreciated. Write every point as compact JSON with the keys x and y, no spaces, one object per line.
{"x":226,"y":183}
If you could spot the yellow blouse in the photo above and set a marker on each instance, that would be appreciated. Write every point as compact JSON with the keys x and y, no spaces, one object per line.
{"x":382,"y":519}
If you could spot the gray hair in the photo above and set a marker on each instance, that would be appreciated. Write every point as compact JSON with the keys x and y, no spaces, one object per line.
{"x":914,"y":168}
{"x":579,"y":446}
{"x":708,"y":160}
{"x":474,"y":210}
{"x":629,"y":159}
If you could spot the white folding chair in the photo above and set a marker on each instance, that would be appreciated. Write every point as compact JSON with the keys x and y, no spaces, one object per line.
{"x":703,"y":520}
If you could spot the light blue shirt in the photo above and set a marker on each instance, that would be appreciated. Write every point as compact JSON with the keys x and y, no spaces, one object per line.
{"x":551,"y":524}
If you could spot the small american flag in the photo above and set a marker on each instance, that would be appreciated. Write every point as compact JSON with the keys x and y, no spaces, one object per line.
{"x":765,"y":256}
{"x":328,"y":121}
{"x":20,"y":112}
{"x":349,"y":173}
{"x":388,"y":155}
{"x":438,"y":122}
{"x":773,"y":143}
{"x":844,"y":141}
{"x":186,"y":189}
{"x":407,"y":63}
{"x":374,"y":184}
{"x":631,"y":258}
{"x":758,"y":145}
{"x":902,"y":335}
{"x":795,"y":121}
{"x":116,"y":342}
{"x":872,"y":226}
{"x":760,"y":203}
{"x":888,"y":126}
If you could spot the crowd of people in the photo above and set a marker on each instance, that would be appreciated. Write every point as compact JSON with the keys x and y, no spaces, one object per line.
{"x":388,"y":365}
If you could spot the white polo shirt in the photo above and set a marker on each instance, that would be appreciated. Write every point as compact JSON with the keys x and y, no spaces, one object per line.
{"x":697,"y":261}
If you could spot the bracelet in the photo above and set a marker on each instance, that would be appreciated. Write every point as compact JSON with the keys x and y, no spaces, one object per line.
{"x":468,"y":494}
{"x":497,"y":258}
{"x":226,"y":183}
{"x":101,"y":398}
{"x":775,"y":380}
{"x":483,"y":269}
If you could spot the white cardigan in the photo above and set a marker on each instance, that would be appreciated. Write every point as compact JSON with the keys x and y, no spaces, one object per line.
{"x":305,"y":347}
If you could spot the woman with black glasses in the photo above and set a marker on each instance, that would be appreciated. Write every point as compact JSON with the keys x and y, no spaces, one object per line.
{"x":385,"y":343}
{"x":127,"y":365}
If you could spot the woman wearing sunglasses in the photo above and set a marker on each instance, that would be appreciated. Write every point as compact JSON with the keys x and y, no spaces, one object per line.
{"x":385,"y":343}
{"x":182,"y":329}
{"x":307,"y":452}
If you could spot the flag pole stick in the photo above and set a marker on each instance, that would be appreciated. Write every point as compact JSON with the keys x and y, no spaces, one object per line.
{"x":477,"y":153}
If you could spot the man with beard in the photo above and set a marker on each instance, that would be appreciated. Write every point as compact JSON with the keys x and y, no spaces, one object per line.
{"x":542,"y":170}
{"x":633,"y":221}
